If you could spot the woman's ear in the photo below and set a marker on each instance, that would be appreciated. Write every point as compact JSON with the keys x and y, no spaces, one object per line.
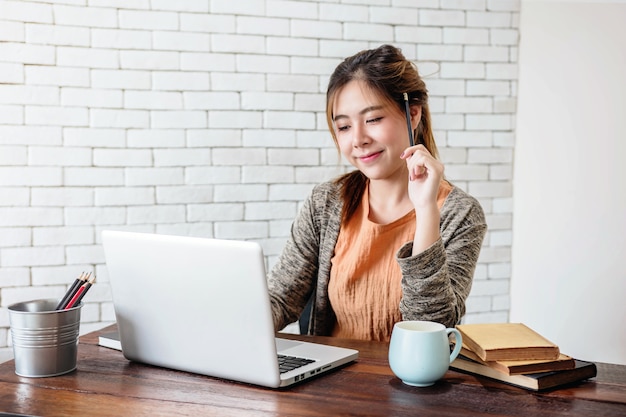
{"x":416,"y":115}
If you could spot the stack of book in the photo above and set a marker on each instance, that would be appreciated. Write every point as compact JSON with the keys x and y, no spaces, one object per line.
{"x":515,"y":354}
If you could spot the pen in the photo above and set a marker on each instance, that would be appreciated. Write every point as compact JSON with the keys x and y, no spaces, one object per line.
{"x":72,"y":290}
{"x":408,"y":118}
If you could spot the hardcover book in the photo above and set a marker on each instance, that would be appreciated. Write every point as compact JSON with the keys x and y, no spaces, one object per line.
{"x":536,"y":382}
{"x":507,"y":341}
{"x":526,"y":366}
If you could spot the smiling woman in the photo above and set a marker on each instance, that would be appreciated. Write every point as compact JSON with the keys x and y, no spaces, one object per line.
{"x":392,"y":240}
{"x":367,"y":136}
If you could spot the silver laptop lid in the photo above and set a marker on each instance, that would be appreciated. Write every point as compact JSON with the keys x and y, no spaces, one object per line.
{"x":193,"y":304}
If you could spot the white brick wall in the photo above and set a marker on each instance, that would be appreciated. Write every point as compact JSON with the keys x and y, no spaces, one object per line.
{"x":207,"y":118}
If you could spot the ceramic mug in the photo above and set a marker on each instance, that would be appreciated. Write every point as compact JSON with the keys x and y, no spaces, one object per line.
{"x":419,"y":351}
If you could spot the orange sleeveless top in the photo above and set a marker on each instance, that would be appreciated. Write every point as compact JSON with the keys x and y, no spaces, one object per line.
{"x":364,"y":287}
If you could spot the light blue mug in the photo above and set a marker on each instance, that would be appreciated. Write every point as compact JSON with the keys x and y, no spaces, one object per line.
{"x":419,"y":351}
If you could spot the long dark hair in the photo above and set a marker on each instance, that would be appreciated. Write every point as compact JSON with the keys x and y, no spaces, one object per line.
{"x":388,"y":74}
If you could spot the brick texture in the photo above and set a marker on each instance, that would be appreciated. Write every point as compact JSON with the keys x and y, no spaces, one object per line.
{"x":207,"y":118}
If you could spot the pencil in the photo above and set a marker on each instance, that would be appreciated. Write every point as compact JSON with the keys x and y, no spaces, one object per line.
{"x":407,"y":111}
{"x":78,"y":296}
{"x":72,"y":290}
{"x":87,"y":285}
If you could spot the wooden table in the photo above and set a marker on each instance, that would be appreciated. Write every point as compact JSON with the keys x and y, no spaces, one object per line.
{"x":106,"y":384}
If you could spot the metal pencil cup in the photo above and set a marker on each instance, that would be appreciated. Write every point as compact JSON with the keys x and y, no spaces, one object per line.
{"x":45,"y":340}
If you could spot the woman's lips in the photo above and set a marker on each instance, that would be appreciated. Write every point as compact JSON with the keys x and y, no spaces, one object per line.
{"x":370,"y":157}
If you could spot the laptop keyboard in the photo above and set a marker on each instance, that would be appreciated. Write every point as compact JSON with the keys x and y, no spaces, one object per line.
{"x":289,"y":363}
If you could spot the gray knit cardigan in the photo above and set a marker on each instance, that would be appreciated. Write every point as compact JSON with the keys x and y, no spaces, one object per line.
{"x":435,"y":283}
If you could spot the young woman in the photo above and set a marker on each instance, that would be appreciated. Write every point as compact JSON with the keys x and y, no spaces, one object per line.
{"x":391,"y":240}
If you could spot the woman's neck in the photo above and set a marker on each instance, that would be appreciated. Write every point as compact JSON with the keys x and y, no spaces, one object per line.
{"x":388,"y":200}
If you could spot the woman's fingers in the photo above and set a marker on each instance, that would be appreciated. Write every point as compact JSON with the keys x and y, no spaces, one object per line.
{"x":417,"y":172}
{"x":418,"y":161}
{"x":410,"y":151}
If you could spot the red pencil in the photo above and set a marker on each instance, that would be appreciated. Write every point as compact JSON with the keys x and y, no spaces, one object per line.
{"x":82,"y":290}
{"x":72,"y":290}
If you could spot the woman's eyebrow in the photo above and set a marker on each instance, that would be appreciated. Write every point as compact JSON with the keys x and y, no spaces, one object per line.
{"x":362,"y":112}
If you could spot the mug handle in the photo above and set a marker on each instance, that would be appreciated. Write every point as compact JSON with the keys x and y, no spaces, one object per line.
{"x":458,"y":342}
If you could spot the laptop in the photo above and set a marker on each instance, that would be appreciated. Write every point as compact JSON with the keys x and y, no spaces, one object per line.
{"x":202,"y":305}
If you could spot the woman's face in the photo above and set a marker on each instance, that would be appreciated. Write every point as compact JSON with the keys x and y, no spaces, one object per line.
{"x":371,"y":133}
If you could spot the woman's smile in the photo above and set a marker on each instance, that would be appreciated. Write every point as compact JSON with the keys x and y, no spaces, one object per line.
{"x":370,"y":157}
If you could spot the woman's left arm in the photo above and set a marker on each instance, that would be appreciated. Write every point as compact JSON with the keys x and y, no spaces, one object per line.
{"x":437,"y":281}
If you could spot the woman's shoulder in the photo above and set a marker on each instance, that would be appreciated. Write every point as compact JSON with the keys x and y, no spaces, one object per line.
{"x":323,"y":206}
{"x":458,"y":194}
{"x":460,"y":201}
{"x":325,"y":200}
{"x":326,"y":191}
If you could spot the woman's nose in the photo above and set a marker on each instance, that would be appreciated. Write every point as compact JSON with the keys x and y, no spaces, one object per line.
{"x":359,"y":136}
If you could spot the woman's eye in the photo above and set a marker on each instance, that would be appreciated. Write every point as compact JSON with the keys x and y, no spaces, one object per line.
{"x":342,"y":128}
{"x":374,"y":120}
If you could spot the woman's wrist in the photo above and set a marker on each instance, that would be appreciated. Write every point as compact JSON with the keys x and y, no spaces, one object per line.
{"x":426,"y":227}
